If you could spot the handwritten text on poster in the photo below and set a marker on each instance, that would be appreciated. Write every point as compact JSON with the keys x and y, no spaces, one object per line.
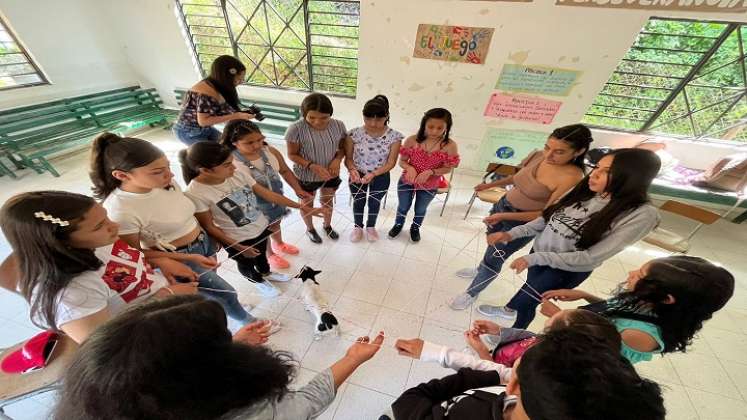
{"x":452,"y":43}
{"x":522,"y":108}
{"x":536,"y":79}
{"x":724,"y":6}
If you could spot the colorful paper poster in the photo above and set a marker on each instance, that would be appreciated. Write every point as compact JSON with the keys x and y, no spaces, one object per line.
{"x":522,"y":108}
{"x":722,"y":6}
{"x":509,"y":147}
{"x":537,"y":79}
{"x":452,"y":43}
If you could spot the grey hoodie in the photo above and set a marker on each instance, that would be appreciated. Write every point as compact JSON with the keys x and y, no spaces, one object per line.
{"x":555,"y":242}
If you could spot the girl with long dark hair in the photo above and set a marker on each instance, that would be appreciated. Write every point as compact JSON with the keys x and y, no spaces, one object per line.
{"x":424,"y":158}
{"x":543,"y":178}
{"x":213,"y":100}
{"x":661,"y":305}
{"x":603,"y":214}
{"x":72,"y":267}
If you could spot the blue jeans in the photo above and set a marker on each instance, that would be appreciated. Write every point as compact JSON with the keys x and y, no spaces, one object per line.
{"x":491,"y":263}
{"x":406,"y":194}
{"x":376,"y":190}
{"x":210,"y":279}
{"x":192,"y":135}
{"x":542,"y":278}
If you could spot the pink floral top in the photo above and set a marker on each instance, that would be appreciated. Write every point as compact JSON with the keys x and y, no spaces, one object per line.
{"x":422,"y":160}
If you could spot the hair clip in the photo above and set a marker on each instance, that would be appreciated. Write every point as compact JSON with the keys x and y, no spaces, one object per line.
{"x":232,"y":70}
{"x":51,"y":219}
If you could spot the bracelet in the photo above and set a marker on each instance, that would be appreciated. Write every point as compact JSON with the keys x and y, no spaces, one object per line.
{"x":170,"y":291}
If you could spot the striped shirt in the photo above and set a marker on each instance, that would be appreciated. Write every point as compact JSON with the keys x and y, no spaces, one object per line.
{"x":316,"y":146}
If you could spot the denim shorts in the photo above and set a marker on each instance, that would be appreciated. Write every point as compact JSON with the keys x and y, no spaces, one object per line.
{"x":191,"y":135}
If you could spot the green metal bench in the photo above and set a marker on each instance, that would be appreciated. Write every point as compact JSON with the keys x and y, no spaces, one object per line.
{"x":31,"y":135}
{"x":278,"y":116}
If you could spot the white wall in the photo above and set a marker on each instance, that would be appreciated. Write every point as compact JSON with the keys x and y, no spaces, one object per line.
{"x":146,"y":34}
{"x":75,"y":47}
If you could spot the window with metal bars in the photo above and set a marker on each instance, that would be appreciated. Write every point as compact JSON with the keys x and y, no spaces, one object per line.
{"x":17,"y":69}
{"x":681,"y":77}
{"x":309,"y":45}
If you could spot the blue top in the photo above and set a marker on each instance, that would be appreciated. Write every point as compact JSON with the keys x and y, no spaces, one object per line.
{"x":635,"y":356}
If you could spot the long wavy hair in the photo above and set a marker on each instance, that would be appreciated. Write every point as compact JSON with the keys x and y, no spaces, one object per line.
{"x":170,"y":359}
{"x":630,"y":176}
{"x":223,"y":72}
{"x":46,"y":261}
{"x":699,"y":289}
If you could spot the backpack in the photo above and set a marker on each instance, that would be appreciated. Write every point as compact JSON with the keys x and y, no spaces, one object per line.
{"x":728,"y":173}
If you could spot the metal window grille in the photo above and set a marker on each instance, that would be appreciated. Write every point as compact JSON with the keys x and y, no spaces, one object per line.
{"x":17,"y":69}
{"x":287,"y":44}
{"x":681,"y":77}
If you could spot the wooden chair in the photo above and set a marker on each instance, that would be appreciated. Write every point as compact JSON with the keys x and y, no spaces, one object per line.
{"x":672,"y":241}
{"x":492,"y":195}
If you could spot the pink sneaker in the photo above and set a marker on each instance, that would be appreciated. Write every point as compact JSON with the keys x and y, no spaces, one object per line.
{"x":284,"y":248}
{"x":371,"y":234}
{"x":356,"y":235}
{"x":277,"y":262}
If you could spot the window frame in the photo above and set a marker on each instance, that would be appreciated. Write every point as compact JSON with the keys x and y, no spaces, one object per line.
{"x":653,"y":121}
{"x":29,"y":60}
{"x":309,"y":54}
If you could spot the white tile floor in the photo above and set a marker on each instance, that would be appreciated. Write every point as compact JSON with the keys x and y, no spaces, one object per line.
{"x":402,"y":288}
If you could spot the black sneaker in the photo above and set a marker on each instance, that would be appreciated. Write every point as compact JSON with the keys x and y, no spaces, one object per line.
{"x":331,"y":233}
{"x":415,"y":234}
{"x":313,"y":236}
{"x":394,"y":231}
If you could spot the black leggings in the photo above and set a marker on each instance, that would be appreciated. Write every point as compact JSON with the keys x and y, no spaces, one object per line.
{"x":252,"y":267}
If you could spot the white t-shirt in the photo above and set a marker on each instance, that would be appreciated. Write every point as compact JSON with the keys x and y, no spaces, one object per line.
{"x":124,"y":278}
{"x":159,"y":215}
{"x":233,"y":205}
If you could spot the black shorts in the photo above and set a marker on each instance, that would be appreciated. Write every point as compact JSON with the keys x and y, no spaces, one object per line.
{"x":315,"y":185}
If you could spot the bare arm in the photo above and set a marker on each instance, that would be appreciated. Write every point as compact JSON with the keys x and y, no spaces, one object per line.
{"x":80,"y":329}
{"x":348,"y":146}
{"x":10,"y":274}
{"x":207,"y":120}
{"x":274,"y":197}
{"x":133,"y":240}
{"x":206,"y":221}
{"x":285,"y":171}
{"x":294,"y":154}
{"x":391,"y":160}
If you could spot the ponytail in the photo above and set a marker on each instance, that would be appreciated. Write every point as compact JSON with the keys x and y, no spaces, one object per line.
{"x":111,"y":152}
{"x":202,"y":155}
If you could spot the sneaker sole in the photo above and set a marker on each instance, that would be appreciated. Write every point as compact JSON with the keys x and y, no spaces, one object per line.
{"x":495,"y":315}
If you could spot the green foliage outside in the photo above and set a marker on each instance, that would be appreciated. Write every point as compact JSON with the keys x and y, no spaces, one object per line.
{"x":271,"y":40}
{"x":711,"y":105}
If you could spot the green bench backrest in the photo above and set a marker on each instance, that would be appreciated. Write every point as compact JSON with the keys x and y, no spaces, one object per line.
{"x":275,"y":111}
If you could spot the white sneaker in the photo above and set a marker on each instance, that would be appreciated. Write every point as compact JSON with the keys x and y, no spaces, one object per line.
{"x":371,"y":234}
{"x":462,"y":302}
{"x":497,"y":311}
{"x":356,"y":234}
{"x":279,"y":277}
{"x":266,"y":289}
{"x":467,"y":273}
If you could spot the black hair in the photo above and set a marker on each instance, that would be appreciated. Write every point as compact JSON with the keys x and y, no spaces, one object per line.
{"x":578,"y":136}
{"x":591,"y":323}
{"x":223,"y":72}
{"x":170,"y":359}
{"x":438,"y":114}
{"x":235,"y":130}
{"x":630,"y":176}
{"x":699,"y":289}
{"x":111,"y":152}
{"x":377,"y":107}
{"x":202,"y":155}
{"x":46,"y":261}
{"x":573,"y":375}
{"x":316,"y":102}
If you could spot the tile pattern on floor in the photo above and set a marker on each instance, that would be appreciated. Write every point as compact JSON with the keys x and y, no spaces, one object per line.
{"x":402,"y":288}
